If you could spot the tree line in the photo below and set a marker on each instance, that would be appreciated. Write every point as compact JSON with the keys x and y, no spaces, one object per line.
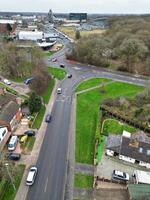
{"x":125,"y":46}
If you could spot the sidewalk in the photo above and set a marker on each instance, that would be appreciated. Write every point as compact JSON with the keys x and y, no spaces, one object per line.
{"x":32,"y":159}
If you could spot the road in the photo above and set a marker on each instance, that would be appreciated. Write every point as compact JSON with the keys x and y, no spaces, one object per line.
{"x":53,"y":158}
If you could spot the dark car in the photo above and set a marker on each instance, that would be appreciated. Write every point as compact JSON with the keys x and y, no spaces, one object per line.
{"x":30,"y":133}
{"x":14,"y":156}
{"x":28,"y":80}
{"x":62,"y":65}
{"x":48,"y":118}
{"x":69,"y":75}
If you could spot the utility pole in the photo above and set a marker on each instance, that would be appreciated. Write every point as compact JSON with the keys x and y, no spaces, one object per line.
{"x":11,"y":179}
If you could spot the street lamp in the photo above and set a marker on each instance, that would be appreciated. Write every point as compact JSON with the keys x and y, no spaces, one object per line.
{"x":6,"y":164}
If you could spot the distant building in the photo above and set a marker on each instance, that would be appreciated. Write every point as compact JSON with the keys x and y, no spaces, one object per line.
{"x":50,"y":16}
{"x":78,"y":16}
{"x":4,"y":25}
{"x":30,"y":35}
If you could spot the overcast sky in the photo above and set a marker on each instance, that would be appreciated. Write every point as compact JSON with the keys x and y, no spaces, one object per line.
{"x":89,"y":6}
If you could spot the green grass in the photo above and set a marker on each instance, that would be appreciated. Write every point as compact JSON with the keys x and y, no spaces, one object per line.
{"x":57,"y":73}
{"x":10,"y":193}
{"x":48,"y":53}
{"x":46,"y":96}
{"x":83,"y":181}
{"x":29,"y":143}
{"x":115,"y":127}
{"x":39,"y":118}
{"x":9,"y":89}
{"x":91,"y":83}
{"x":87,"y":112}
{"x":101,"y":148}
{"x":18,"y":79}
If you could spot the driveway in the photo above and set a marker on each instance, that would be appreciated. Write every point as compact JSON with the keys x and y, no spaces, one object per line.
{"x":108,"y":164}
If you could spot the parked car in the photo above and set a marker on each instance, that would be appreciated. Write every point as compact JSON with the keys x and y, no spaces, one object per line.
{"x":28,"y":80}
{"x":48,"y":118}
{"x":59,"y":90}
{"x":31,"y":175}
{"x":123,"y":176}
{"x":54,"y":59}
{"x":6,"y":81}
{"x":13,"y":143}
{"x":24,"y":138}
{"x":14,"y":156}
{"x":69,"y":75}
{"x":30,"y":133}
{"x":62,"y":65}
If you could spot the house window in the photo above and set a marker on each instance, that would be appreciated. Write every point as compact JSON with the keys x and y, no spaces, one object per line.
{"x":140,"y":150}
{"x":3,"y":132}
{"x":148,"y":152}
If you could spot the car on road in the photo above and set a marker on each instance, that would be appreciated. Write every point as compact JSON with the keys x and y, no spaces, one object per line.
{"x":28,"y":80}
{"x":59,"y":90}
{"x":54,"y":59}
{"x":14,"y":156}
{"x":69,"y":75}
{"x":30,"y":133}
{"x":62,"y":65}
{"x":31,"y":175}
{"x":118,"y":175}
{"x":48,"y":118}
{"x":7,"y":82}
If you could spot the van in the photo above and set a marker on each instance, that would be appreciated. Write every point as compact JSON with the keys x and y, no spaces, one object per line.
{"x":13,"y":143}
{"x":59,"y":90}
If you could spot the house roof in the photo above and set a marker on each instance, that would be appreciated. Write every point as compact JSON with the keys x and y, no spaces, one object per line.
{"x":136,"y":147}
{"x":6,"y":98}
{"x":8,"y":112}
{"x":138,"y":191}
{"x":113,"y":143}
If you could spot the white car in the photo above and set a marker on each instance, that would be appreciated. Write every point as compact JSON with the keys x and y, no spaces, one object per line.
{"x":123,"y":176}
{"x":6,"y":81}
{"x":59,"y":91}
{"x":31,"y":175}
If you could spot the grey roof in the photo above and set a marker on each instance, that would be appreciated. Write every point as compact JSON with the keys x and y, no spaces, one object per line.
{"x":9,"y":111}
{"x":135,"y":149}
{"x":113,"y":143}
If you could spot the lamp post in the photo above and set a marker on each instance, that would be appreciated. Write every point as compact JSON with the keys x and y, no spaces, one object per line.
{"x":11,"y":179}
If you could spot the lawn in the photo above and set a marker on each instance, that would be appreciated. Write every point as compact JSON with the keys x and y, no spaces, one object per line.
{"x":46,"y":96}
{"x":70,"y":31}
{"x":39,"y":118}
{"x":28,"y":145}
{"x":9,"y":192}
{"x":48,"y":53}
{"x":115,"y":127}
{"x":91,"y":83}
{"x":87,"y":112}
{"x":101,"y":148}
{"x":57,"y":73}
{"x":83,"y":181}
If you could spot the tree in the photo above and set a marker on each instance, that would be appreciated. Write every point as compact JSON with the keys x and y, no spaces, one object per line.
{"x":132,"y":50}
{"x":77,"y":35}
{"x":34,"y":103}
{"x":9,"y":28}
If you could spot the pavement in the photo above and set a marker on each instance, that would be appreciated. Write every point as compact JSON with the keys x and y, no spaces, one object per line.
{"x":31,"y":159}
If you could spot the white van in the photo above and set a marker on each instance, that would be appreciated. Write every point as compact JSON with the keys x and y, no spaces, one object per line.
{"x":13,"y":143}
{"x":59,"y":91}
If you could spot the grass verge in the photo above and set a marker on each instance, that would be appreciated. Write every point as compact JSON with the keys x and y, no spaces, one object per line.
{"x":87,"y":108}
{"x":28,"y":145}
{"x":83,"y":181}
{"x":46,"y":96}
{"x":91,"y":83}
{"x":9,"y":190}
{"x":57,"y":73}
{"x":39,"y":118}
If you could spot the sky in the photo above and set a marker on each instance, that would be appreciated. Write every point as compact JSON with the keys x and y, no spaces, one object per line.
{"x":66,"y":6}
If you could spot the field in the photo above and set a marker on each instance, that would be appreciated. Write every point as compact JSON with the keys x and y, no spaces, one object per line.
{"x":87,"y":113}
{"x":70,"y":31}
{"x":57,"y":73}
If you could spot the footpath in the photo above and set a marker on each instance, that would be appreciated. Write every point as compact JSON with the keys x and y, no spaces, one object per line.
{"x":31,"y":159}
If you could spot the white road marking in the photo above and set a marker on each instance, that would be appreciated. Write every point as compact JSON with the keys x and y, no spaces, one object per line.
{"x":46,"y":185}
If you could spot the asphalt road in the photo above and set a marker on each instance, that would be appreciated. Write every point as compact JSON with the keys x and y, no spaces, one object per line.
{"x":53,"y":158}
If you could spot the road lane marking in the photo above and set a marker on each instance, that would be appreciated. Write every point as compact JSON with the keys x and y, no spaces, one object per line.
{"x":46,"y":185}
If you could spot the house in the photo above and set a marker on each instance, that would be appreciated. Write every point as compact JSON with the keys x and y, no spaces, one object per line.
{"x":4,"y":25}
{"x":4,"y":135}
{"x":138,"y":191}
{"x":10,"y":115}
{"x":133,"y":148}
